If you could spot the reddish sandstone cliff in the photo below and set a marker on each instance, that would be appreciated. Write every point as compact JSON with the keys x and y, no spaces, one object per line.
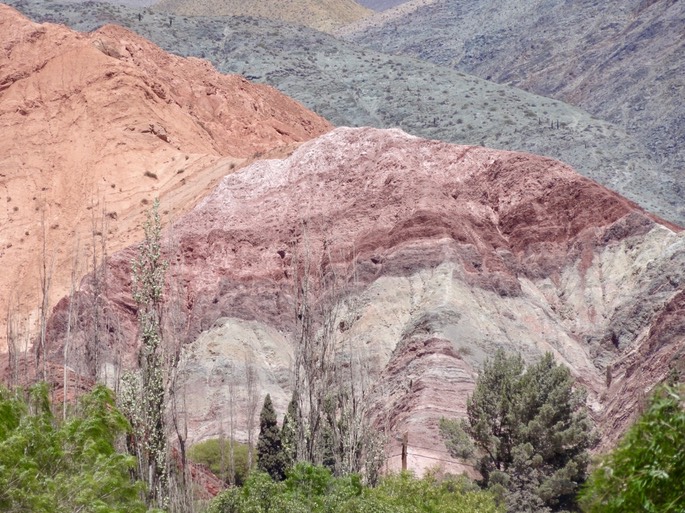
{"x":446,"y":253}
{"x":99,"y":124}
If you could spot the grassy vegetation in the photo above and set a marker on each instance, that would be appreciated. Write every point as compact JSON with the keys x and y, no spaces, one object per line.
{"x":314,"y":490}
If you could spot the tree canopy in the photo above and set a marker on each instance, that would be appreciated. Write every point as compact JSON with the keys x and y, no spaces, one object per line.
{"x":48,"y":466}
{"x":528,"y":431}
{"x":314,"y":489}
{"x":646,"y":472}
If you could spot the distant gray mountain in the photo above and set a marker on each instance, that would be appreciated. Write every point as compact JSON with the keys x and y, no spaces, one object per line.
{"x":381,"y":5}
{"x":621,"y":60}
{"x":353,"y":86}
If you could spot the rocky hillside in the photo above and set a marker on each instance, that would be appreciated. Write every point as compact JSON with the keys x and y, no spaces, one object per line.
{"x":442,"y":254}
{"x":324,"y":15}
{"x":381,"y":5}
{"x":97,"y":125}
{"x":622,"y":61}
{"x":355,"y":87}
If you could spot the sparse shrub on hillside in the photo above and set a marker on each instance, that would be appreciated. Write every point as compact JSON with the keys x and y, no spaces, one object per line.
{"x":646,"y":472}
{"x":530,"y":431}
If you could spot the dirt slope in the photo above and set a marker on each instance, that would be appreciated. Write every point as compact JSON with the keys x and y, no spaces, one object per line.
{"x":324,"y":15}
{"x":454,"y":251}
{"x":100,"y":124}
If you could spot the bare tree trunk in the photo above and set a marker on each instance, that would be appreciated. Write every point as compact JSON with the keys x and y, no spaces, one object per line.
{"x":331,"y":376}
{"x":67,"y":341}
{"x":252,"y":386}
{"x":231,"y":424}
{"x":175,"y":330}
{"x":45,"y":281}
{"x":13,"y":348}
{"x":98,"y":270}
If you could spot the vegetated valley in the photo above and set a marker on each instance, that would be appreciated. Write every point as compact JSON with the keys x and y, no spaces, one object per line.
{"x":254,"y":267}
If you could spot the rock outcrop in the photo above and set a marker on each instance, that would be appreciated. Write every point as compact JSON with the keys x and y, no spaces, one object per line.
{"x":445,"y":254}
{"x":94,"y":127}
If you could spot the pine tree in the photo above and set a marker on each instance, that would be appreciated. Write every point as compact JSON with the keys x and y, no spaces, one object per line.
{"x":530,"y":432}
{"x":269,"y":448}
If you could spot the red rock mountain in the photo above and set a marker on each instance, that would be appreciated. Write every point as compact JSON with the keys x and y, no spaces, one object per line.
{"x":101,"y":123}
{"x":446,"y":253}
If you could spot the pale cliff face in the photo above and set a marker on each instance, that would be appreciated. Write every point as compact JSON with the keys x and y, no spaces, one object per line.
{"x":451,"y":252}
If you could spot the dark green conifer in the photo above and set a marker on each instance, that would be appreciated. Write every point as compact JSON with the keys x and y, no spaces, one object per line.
{"x":269,"y":448}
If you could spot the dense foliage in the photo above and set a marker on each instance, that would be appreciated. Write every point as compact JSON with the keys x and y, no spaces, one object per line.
{"x":55,"y":466}
{"x":309,"y":489}
{"x":215,"y":454}
{"x":528,"y":431}
{"x":646,"y":472}
{"x":270,"y":456}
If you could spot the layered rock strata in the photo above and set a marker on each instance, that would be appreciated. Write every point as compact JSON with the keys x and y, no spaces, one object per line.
{"x":444,"y":253}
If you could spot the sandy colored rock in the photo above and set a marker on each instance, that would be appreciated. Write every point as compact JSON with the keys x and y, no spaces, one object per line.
{"x":95,"y":126}
{"x":447,"y":253}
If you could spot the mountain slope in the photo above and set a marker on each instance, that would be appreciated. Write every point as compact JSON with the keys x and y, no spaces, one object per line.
{"x":98,"y":125}
{"x":444,"y":253}
{"x":324,"y":15}
{"x":622,"y":61}
{"x":355,"y":87}
{"x":381,"y":5}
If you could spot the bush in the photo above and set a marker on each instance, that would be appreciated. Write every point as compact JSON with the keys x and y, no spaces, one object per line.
{"x":48,"y":466}
{"x":310,"y":489}
{"x":646,"y":472}
{"x":209,"y":453}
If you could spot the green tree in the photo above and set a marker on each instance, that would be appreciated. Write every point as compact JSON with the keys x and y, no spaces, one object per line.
{"x":646,"y":472}
{"x":529,"y":432}
{"x":314,"y":489}
{"x":269,"y":448}
{"x":53,"y":466}
{"x":289,"y":433}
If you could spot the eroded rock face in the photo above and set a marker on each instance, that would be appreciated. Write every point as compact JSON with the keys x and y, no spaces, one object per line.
{"x":446,"y":253}
{"x":95,"y":126}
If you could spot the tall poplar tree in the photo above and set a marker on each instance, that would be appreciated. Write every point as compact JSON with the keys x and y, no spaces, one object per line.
{"x":144,"y":394}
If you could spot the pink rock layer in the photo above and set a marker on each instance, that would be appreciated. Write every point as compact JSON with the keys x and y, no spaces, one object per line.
{"x":449,"y":253}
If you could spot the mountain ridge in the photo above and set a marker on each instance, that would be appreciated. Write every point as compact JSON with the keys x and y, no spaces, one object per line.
{"x":455,"y":251}
{"x":355,"y":87}
{"x":96,"y":125}
{"x":620,"y":61}
{"x":324,"y":15}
